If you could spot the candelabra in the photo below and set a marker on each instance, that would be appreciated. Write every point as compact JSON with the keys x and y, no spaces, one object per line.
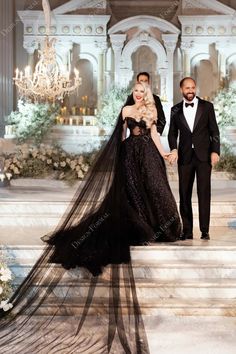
{"x":48,"y":82}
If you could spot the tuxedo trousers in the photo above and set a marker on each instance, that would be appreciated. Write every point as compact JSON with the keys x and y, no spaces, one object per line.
{"x":187,"y":173}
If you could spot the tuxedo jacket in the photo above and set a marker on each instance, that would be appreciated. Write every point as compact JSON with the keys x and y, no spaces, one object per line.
{"x":161,"y":120}
{"x":205,"y":137}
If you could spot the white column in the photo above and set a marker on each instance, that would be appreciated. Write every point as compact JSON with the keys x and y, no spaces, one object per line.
{"x":222,"y":55}
{"x":117,"y":42}
{"x":102,"y":47}
{"x":163,"y":83}
{"x":30,"y":46}
{"x":6,"y":60}
{"x":63,"y":50}
{"x":170,"y":41}
{"x":186,"y":48}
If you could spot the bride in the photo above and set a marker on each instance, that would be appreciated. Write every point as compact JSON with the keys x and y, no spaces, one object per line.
{"x":125,"y":200}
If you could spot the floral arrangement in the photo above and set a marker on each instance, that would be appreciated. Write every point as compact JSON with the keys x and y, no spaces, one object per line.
{"x":225,"y":107}
{"x":5,"y":287}
{"x":43,"y":161}
{"x":32,"y":120}
{"x":112,"y":103}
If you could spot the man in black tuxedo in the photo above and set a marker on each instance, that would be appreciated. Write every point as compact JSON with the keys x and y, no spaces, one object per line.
{"x":193,"y":121}
{"x":144,"y":77}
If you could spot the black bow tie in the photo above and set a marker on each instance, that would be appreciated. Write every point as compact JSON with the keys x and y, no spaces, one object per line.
{"x":189,"y":104}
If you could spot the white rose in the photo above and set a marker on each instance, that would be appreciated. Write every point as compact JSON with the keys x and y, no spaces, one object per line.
{"x":9,"y":175}
{"x":80,"y":174}
{"x":5,"y":305}
{"x":2,"y":177}
{"x":63,"y":164}
{"x":55,"y":164}
{"x":49,"y":161}
{"x":5,"y":274}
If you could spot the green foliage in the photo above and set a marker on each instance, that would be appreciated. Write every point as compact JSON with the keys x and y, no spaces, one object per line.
{"x":227,"y":161}
{"x":112,"y":103}
{"x":225,"y":107}
{"x":32,"y":120}
{"x":5,"y":285}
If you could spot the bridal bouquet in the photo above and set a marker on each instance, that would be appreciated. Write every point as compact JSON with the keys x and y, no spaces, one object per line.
{"x":5,"y":287}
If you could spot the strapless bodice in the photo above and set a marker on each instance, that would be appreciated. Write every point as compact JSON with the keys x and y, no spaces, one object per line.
{"x":136,"y":127}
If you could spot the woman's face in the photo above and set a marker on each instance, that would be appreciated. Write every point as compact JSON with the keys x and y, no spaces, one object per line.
{"x":138,"y":93}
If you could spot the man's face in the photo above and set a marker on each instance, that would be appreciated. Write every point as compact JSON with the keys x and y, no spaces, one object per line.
{"x":143,"y":79}
{"x":188,"y":90}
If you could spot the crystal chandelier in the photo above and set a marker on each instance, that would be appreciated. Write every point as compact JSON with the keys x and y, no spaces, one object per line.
{"x":48,"y":82}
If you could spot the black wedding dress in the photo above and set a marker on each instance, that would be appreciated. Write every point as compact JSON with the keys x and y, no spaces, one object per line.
{"x":125,"y":200}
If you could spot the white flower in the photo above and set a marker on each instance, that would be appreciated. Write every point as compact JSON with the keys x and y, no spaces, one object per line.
{"x":5,"y":305}
{"x":49,"y":161}
{"x":73,"y":164}
{"x":5,"y":274}
{"x":55,"y":164}
{"x":2,"y":177}
{"x":63,"y":164}
{"x":16,"y":171}
{"x":9,"y":175}
{"x":68,"y":160}
{"x":80,"y":159}
{"x":80,"y":174}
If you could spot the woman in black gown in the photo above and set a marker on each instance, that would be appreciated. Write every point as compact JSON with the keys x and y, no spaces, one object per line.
{"x":139,"y":207}
{"x":125,"y":200}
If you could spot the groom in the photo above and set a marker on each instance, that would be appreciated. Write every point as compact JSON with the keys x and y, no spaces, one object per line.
{"x":193,"y":121}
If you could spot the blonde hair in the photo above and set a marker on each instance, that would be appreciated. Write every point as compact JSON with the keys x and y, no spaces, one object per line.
{"x":147,"y":111}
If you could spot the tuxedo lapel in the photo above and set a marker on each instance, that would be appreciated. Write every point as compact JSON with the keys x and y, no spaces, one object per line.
{"x":199,"y":112}
{"x":182,"y":117}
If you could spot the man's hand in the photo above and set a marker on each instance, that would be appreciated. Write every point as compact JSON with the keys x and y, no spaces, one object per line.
{"x":173,"y":157}
{"x":214,"y":158}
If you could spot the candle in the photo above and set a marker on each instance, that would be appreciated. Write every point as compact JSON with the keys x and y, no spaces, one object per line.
{"x":81,"y":110}
{"x":17,"y":73}
{"x":73,"y":109}
{"x":27,"y":71}
{"x":71,"y":121}
{"x":95,"y":111}
{"x":61,"y":120}
{"x":76,"y":73}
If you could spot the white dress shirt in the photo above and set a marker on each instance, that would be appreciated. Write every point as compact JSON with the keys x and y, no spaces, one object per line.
{"x":190,"y":112}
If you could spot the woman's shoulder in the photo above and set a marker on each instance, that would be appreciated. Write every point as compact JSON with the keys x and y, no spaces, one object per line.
{"x":126,"y":110}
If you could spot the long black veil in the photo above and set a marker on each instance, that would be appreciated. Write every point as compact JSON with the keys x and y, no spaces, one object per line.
{"x":70,"y":309}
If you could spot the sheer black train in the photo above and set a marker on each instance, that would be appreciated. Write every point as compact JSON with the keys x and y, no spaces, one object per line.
{"x":125,"y":200}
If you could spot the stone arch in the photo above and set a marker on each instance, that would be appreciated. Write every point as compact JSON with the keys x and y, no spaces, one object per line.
{"x":91,"y":58}
{"x":135,"y":43}
{"x":143,"y":22}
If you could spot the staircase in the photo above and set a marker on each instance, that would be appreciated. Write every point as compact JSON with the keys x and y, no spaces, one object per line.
{"x":170,"y":280}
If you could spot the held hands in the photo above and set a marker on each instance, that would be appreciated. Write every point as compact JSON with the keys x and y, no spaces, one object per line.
{"x":173,"y":156}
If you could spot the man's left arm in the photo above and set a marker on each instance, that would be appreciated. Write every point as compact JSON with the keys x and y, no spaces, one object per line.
{"x":214,"y":136}
{"x":161,"y":120}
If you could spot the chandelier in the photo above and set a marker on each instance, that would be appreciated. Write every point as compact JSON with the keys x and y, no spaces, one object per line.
{"x":48,"y":82}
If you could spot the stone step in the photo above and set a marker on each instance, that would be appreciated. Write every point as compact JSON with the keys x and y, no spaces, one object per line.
{"x":47,"y":213}
{"x":149,"y":289}
{"x":155,"y":253}
{"x":170,"y":279}
{"x":161,"y":307}
{"x":155,"y":270}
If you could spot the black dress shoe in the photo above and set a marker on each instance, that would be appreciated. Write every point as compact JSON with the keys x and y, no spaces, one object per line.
{"x":184,"y":236}
{"x":205,"y":236}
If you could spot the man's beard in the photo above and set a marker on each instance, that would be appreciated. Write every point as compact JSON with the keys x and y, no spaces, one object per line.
{"x":192,"y":96}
